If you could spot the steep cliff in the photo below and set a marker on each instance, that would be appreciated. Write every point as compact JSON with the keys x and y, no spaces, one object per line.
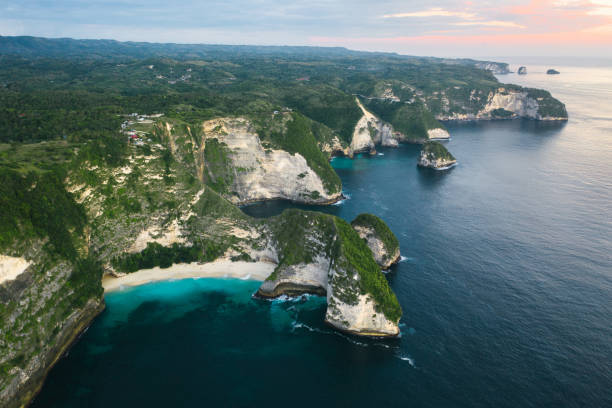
{"x":513,"y":102}
{"x":371,"y":131}
{"x":322,"y":254}
{"x":246,"y":162}
{"x":236,"y":161}
{"x":379,"y":238}
{"x":434,"y":155}
{"x":407,"y":121}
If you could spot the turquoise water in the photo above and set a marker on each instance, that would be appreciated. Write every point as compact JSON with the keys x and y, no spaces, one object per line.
{"x":506,"y":287}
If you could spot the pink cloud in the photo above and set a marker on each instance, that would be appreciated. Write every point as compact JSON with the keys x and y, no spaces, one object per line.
{"x":536,"y":22}
{"x":590,"y":37}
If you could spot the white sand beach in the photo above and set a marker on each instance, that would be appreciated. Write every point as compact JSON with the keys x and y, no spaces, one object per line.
{"x":219,"y":269}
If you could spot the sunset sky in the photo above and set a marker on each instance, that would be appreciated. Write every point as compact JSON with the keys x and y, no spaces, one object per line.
{"x":442,"y":28}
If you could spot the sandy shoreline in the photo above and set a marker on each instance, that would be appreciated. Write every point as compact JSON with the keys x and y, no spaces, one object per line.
{"x":218,"y":269}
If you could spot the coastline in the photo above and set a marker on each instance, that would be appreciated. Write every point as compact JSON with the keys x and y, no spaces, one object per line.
{"x":223,"y":268}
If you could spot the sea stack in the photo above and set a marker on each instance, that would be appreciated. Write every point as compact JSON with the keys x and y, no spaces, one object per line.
{"x":522,"y":71}
{"x":552,"y":72}
{"x":435,"y":156}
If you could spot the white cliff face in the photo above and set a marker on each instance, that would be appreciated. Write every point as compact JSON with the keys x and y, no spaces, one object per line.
{"x":156,"y":234}
{"x":382,"y":257}
{"x":336,"y":147}
{"x":438,"y":133}
{"x":362,"y":318}
{"x":430,"y":161}
{"x":517,"y":102}
{"x":265,"y":175}
{"x":520,"y":104}
{"x":347,"y":308}
{"x":11,"y":267}
{"x":370,"y":131}
{"x":494,"y":67}
{"x":294,"y":279}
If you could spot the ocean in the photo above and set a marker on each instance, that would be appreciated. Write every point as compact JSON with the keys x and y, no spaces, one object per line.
{"x":505,"y":283}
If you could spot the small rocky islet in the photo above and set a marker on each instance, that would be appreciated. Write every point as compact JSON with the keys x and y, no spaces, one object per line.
{"x":435,"y":156}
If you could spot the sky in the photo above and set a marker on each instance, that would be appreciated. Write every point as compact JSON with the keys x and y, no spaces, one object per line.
{"x":438,"y":28}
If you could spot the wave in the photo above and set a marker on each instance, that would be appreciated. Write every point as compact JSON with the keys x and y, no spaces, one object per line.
{"x":299,"y":325}
{"x":290,"y":299}
{"x":408,"y":359}
{"x":445,"y":168}
{"x":346,"y":196}
{"x":380,"y":154}
{"x":247,"y":277}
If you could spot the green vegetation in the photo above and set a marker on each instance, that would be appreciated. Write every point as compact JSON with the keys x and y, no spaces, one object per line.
{"x":37,"y":205}
{"x":501,"y":113}
{"x":86,"y":280}
{"x":299,"y":138}
{"x":382,"y":231}
{"x":436,"y":150}
{"x":158,"y":255}
{"x":219,"y":172}
{"x":212,"y":205}
{"x":412,"y":120}
{"x":548,"y":106}
{"x":299,"y":235}
{"x":372,"y":281}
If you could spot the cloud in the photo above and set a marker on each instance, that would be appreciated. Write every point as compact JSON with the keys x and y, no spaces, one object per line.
{"x":433,"y":12}
{"x":494,"y":23}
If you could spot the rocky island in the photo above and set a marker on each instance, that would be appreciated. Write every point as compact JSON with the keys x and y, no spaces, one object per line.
{"x":522,"y":71}
{"x":130,"y":159}
{"x":552,"y":72}
{"x":435,"y":156}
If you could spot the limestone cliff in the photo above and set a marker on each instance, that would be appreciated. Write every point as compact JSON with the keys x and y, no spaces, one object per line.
{"x":379,"y":238}
{"x":434,"y":155}
{"x":371,"y":131}
{"x":43,"y":309}
{"x":325,"y":256}
{"x":510,"y":103}
{"x":257,"y":173}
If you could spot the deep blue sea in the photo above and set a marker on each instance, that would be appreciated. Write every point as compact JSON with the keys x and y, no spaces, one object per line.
{"x":506,"y":287}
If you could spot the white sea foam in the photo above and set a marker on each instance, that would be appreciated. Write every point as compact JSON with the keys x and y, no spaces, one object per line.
{"x":446,"y":168}
{"x":347,"y":196}
{"x":380,"y":154}
{"x":408,"y":359}
{"x":246,"y":277}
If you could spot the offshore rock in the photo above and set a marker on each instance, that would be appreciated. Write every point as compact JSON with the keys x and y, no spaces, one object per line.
{"x":435,"y":156}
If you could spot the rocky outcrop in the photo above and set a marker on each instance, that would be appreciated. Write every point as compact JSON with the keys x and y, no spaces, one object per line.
{"x":552,"y":72}
{"x":434,"y":155}
{"x":335,"y":147}
{"x":294,"y":280}
{"x":371,"y":131}
{"x":515,"y":103}
{"x":379,"y":238}
{"x":256,"y":173}
{"x":438,"y":134}
{"x":519,"y":103}
{"x":361,"y":319}
{"x":26,"y":382}
{"x":522,"y":71}
{"x":358,"y":299}
{"x":11,"y":267}
{"x":498,"y":68}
